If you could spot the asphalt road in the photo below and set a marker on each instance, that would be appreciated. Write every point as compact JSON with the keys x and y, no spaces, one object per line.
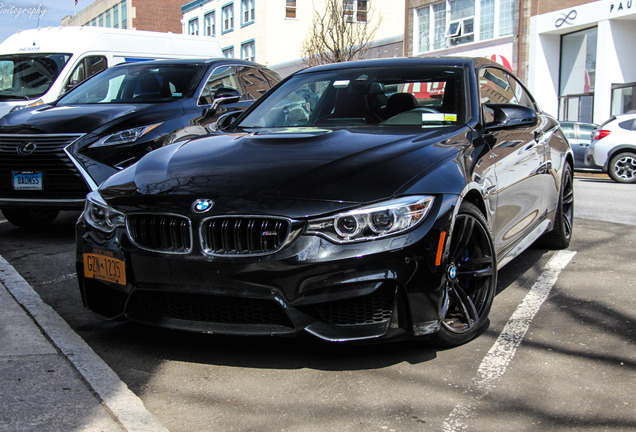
{"x":559,"y":353}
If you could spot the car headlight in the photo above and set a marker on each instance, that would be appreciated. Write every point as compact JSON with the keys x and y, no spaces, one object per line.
{"x":373,"y":222}
{"x":101,"y":216}
{"x":124,"y":137}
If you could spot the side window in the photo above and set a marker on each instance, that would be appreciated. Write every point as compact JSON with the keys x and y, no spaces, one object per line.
{"x":521,"y":96}
{"x":627,"y":124}
{"x":494,"y":87}
{"x":223,"y":77}
{"x":253,"y":82}
{"x":86,"y":68}
{"x":498,"y":87}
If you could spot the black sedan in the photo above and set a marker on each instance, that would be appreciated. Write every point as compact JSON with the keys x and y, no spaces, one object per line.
{"x":360,"y":200}
{"x":51,"y":156}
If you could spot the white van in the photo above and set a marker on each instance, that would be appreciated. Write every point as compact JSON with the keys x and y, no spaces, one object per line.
{"x":37,"y":66}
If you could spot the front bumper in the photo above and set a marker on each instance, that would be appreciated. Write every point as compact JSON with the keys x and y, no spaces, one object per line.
{"x":350,"y":292}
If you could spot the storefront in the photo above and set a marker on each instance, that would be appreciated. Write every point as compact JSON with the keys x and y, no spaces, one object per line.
{"x":582,"y":66}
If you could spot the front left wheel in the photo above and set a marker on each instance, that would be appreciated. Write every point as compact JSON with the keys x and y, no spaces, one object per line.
{"x":471,"y":279}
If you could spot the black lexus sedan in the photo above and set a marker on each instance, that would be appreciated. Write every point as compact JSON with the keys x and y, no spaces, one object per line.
{"x":355,"y":201}
{"x":51,"y":156}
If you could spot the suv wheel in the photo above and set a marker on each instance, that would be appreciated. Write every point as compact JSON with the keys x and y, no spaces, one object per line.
{"x":622,"y":168}
{"x":26,"y":218}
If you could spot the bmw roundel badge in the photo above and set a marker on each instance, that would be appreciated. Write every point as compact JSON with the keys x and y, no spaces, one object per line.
{"x":202,"y":205}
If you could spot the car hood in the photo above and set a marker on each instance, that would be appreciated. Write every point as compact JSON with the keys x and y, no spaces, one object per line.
{"x":89,"y":118}
{"x":345,"y":166}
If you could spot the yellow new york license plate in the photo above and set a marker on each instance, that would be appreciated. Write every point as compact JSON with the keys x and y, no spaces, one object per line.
{"x":104,"y":265}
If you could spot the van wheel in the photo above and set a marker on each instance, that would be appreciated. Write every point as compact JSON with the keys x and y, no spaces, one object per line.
{"x":622,"y":168}
{"x":26,"y":218}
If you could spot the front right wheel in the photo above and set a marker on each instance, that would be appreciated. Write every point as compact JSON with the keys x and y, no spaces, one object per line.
{"x":471,"y":279}
{"x":28,"y":218}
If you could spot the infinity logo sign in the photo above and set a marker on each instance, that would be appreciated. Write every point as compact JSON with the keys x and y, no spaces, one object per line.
{"x":566,"y":19}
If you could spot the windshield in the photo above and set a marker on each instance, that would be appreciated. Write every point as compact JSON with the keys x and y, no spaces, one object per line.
{"x":388,"y":96}
{"x":29,"y":76}
{"x":136,"y":83}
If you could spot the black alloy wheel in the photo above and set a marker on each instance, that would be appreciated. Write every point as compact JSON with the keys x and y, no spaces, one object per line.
{"x":622,"y":168}
{"x":471,"y":279}
{"x":561,"y":234}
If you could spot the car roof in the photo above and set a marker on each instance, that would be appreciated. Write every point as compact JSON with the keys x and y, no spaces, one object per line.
{"x":201,"y":61}
{"x":401,"y":62}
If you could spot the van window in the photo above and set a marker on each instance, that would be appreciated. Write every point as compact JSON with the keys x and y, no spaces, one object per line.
{"x":29,"y":76}
{"x":86,"y":68}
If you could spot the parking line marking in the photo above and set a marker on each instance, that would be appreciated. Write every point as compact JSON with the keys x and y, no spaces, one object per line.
{"x":126,"y":406}
{"x":494,"y":364}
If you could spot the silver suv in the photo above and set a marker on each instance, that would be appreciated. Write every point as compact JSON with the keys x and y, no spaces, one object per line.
{"x":613,"y":148}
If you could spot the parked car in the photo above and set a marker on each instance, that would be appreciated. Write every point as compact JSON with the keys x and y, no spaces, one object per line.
{"x":355,"y":201}
{"x":613,"y":148}
{"x":579,"y":134}
{"x":51,"y":156}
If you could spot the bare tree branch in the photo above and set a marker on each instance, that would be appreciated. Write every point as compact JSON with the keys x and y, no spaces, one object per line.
{"x":336,"y":36}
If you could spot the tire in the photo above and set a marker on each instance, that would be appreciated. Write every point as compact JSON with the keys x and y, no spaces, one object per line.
{"x":622,"y":168}
{"x":471,"y":279}
{"x":561,"y":234}
{"x":26,"y":218}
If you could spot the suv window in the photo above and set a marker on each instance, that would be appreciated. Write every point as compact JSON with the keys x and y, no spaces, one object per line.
{"x":222,"y":77}
{"x":253,"y":82}
{"x":627,"y":124}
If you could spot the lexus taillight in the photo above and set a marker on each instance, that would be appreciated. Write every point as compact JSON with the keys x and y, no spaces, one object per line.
{"x":600,"y":134}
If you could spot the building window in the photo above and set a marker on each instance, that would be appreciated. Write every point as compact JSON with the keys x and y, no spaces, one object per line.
{"x":506,"y":17}
{"x":193,"y":27}
{"x":124,"y":15}
{"x":228,"y":52}
{"x":290,"y":9}
{"x":356,"y":10}
{"x":116,"y":16}
{"x":209,"y":24}
{"x":577,"y":75}
{"x":227,"y":17}
{"x":107,"y":13}
{"x":248,"y":51}
{"x":457,"y":22}
{"x":247,"y":11}
{"x":100,"y":20}
{"x":94,"y":22}
{"x":623,"y":99}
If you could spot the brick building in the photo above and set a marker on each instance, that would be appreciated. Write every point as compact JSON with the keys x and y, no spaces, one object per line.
{"x":164,"y":16}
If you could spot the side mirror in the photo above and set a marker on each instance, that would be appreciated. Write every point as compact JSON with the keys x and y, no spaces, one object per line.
{"x":226,"y":121}
{"x":505,"y":116}
{"x":225,"y":95}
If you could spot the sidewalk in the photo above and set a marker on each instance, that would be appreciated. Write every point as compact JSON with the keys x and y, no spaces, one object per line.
{"x":51,"y":379}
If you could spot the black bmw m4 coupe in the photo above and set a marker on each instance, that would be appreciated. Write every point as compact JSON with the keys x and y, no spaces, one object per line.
{"x":354,"y":201}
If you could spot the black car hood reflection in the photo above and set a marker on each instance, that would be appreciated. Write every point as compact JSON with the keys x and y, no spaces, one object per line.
{"x":87,"y":118}
{"x":353,"y":165}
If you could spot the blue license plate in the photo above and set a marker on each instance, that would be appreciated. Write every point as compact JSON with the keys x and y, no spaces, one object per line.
{"x":27,"y":180}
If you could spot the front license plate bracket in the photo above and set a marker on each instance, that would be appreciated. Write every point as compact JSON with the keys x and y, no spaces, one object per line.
{"x":104,"y":265}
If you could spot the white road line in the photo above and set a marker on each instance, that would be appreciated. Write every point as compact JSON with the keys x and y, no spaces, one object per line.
{"x":494,"y":364}
{"x":123,"y":403}
{"x":59,"y":279}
